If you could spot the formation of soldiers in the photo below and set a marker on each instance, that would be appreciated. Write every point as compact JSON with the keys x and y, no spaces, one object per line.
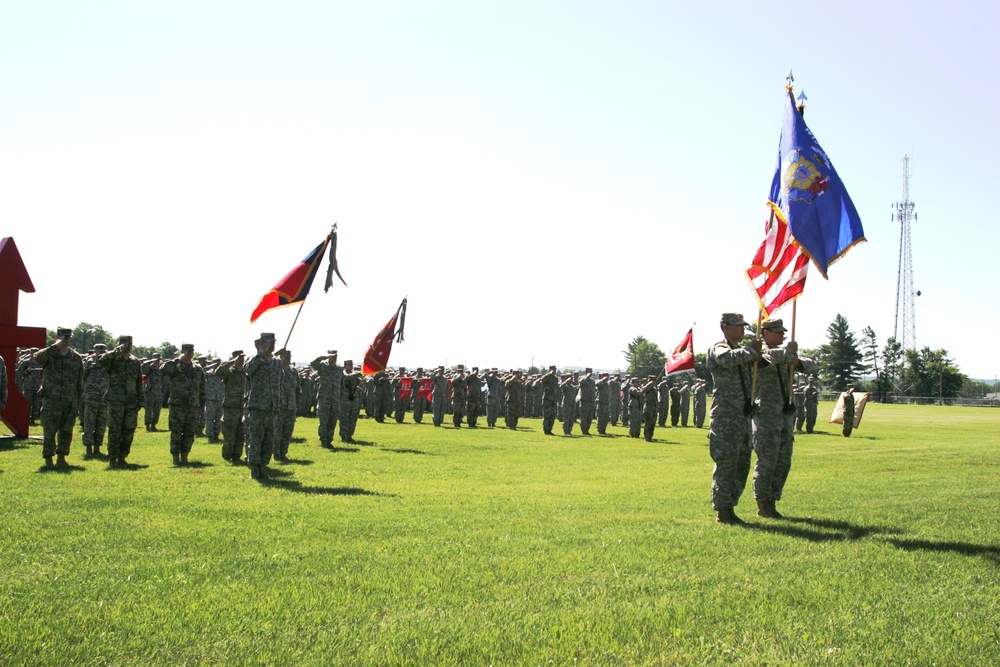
{"x":251,"y":404}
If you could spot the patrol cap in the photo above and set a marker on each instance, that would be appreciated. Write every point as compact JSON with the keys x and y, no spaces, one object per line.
{"x":187,"y":347}
{"x":348,"y":361}
{"x":773,"y":325}
{"x":237,"y":353}
{"x":125,"y":340}
{"x":267,"y":336}
{"x":588,"y":370}
{"x":460,"y":367}
{"x":155,"y":355}
{"x":552,"y":367}
{"x":63,"y":331}
{"x":100,"y":347}
{"x":331,"y":352}
{"x":202,"y":358}
{"x":420,"y":370}
{"x":733,"y":319}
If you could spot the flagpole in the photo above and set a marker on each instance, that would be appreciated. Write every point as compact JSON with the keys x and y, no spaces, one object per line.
{"x":756,"y":362}
{"x":791,"y":366}
{"x":297,"y":313}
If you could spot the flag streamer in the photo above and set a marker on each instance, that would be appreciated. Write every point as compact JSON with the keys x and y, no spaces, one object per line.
{"x":377,"y":355}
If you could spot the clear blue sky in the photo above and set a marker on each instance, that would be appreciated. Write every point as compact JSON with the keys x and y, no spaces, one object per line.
{"x":544,"y":181}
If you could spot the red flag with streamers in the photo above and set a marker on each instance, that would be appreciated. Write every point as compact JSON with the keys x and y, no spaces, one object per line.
{"x":377,"y":355}
{"x":682,"y":358}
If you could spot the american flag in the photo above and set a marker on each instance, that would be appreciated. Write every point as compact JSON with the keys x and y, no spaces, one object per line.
{"x":778,"y":270}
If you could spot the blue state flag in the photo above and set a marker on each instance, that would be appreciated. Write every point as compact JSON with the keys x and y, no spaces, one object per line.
{"x":808,"y":194}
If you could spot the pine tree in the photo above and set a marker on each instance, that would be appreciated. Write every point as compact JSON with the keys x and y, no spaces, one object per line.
{"x":840,"y":359}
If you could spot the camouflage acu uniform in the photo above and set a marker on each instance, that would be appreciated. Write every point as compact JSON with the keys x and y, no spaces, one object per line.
{"x":215,"y":392}
{"x":615,"y":399}
{"x":800,"y":407}
{"x":152,"y":393}
{"x":567,"y":406}
{"x":95,"y":404}
{"x":699,"y":405}
{"x":812,"y":406}
{"x":474,"y":397}
{"x":331,"y":382}
{"x":459,"y":397}
{"x":514,"y":393}
{"x":496,"y":396}
{"x":848,"y":413}
{"x":773,"y":424}
{"x":663,"y":401}
{"x":234,"y":381}
{"x":380,"y":396}
{"x":729,"y":432}
{"x":263,"y":402}
{"x":603,"y":387}
{"x":550,"y":396}
{"x":28,"y":378}
{"x":124,"y":400}
{"x":685,"y":403}
{"x":649,"y":400}
{"x":61,"y":392}
{"x":588,"y":396}
{"x":287,"y":412}
{"x":438,"y":397}
{"x":675,"y":405}
{"x":416,"y":400}
{"x":634,"y":410}
{"x":350,"y":405}
{"x":187,"y":396}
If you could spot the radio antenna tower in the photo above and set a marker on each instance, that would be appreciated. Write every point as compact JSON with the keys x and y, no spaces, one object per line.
{"x":905,"y":329}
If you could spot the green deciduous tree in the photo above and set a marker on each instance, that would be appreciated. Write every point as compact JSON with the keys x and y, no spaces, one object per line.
{"x":840,"y":359}
{"x":644,"y":357}
{"x":932,"y":373}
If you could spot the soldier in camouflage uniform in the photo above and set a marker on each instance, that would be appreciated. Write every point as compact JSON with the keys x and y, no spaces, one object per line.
{"x":28,"y":379}
{"x":848,"y":397}
{"x":187,"y":397}
{"x":380,"y":396}
{"x":729,"y":435}
{"x":699,"y":404}
{"x":263,"y":402}
{"x":685,"y":403}
{"x":287,"y":409}
{"x":812,"y":404}
{"x":649,"y":408}
{"x":215,"y":392}
{"x":567,"y":406}
{"x":513,"y":387}
{"x":663,"y":401}
{"x":615,"y":398}
{"x":635,"y":392}
{"x":331,"y":382}
{"x":95,"y":401}
{"x":152,"y":391}
{"x":61,"y":392}
{"x":439,"y":395}
{"x":603,"y":387}
{"x":459,"y":396}
{"x":494,"y":385}
{"x":550,"y":397}
{"x":774,"y":417}
{"x":675,"y":405}
{"x":124,"y":399}
{"x":416,"y":400}
{"x":398,"y":400}
{"x":350,"y":402}
{"x":800,"y":406}
{"x":234,"y":380}
{"x":474,"y":397}
{"x":588,"y":397}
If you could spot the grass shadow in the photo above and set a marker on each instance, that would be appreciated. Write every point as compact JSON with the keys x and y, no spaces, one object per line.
{"x":298,"y":487}
{"x":195,"y":464}
{"x":349,"y":450}
{"x":299,"y":440}
{"x":988,"y":552}
{"x":408,"y":451}
{"x":296,"y":462}
{"x":65,"y":470}
{"x":822,"y":530}
{"x":129,"y":466}
{"x":363,"y":443}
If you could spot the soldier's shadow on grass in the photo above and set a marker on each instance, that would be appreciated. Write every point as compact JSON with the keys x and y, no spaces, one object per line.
{"x":408,"y":451}
{"x":349,"y":450}
{"x":298,"y":487}
{"x":128,"y":466}
{"x":65,"y":470}
{"x":822,"y":530}
{"x":298,"y":440}
{"x":296,"y":462}
{"x":195,"y":464}
{"x":988,"y":552}
{"x":363,"y":443}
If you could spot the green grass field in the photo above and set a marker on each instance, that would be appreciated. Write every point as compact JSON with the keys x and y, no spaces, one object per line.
{"x":423,"y":545}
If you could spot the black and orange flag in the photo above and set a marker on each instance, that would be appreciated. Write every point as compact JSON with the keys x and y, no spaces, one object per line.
{"x":294,"y":287}
{"x":377,"y":355}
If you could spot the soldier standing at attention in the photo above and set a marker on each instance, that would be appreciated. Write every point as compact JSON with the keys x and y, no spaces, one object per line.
{"x":416,"y":399}
{"x":61,"y":392}
{"x":439,"y":395}
{"x":459,"y":397}
{"x":514,"y":392}
{"x":550,"y":396}
{"x":331,"y":382}
{"x":380,"y":396}
{"x":350,"y":401}
{"x":396,"y":395}
{"x":95,"y":401}
{"x":603,"y":387}
{"x":568,"y":391}
{"x":649,"y":399}
{"x":675,"y":405}
{"x":287,"y":407}
{"x":234,"y":380}
{"x":800,"y":406}
{"x":685,"y":403}
{"x":215,"y":392}
{"x":848,"y":397}
{"x":634,"y":408}
{"x":124,"y":399}
{"x":263,"y":396}
{"x":774,"y":417}
{"x":474,"y":392}
{"x":588,"y":395}
{"x":615,"y":398}
{"x":729,"y":435}
{"x":187,"y":396}
{"x":153,"y":391}
{"x":28,"y":378}
{"x":812,"y":404}
{"x":496,"y":395}
{"x":699,"y":404}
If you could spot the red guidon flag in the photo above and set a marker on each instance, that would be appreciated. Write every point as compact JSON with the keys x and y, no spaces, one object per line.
{"x":377,"y":355}
{"x":778,"y":270}
{"x":294,"y":287}
{"x":682,"y":358}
